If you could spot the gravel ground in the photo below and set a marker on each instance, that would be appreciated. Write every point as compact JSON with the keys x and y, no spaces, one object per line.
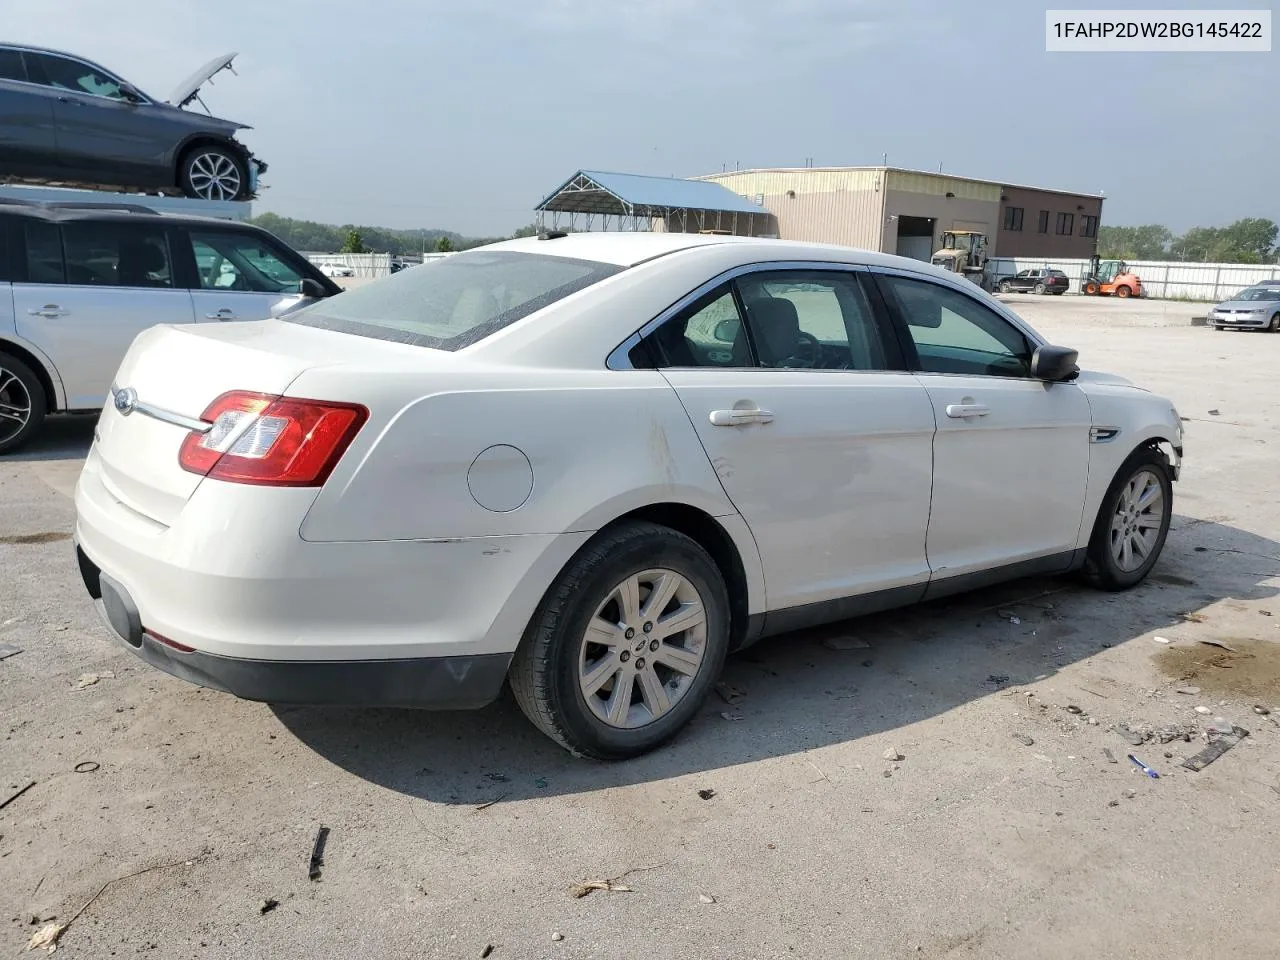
{"x":1004,"y":829}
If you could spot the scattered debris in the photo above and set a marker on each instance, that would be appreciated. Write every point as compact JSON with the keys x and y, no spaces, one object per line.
{"x":704,"y":898}
{"x":1130,"y":794}
{"x":490,"y":803}
{"x":706,"y":794}
{"x":888,"y":772}
{"x":1194,"y":617}
{"x":893,"y":755}
{"x":1265,"y":613}
{"x":1215,"y":413}
{"x":1203,"y":710}
{"x":1189,"y":691}
{"x":1219,"y":727}
{"x":26,"y":539}
{"x":1072,"y":708}
{"x":845,"y":643}
{"x":1111,"y":757}
{"x":1217,"y":643}
{"x":729,"y":693}
{"x":87,"y":766}
{"x":557,"y":936}
{"x":997,"y":678}
{"x":317,"y":854}
{"x":732,"y":715}
{"x":267,"y":905}
{"x":541,"y":783}
{"x":1172,"y":733}
{"x":1260,"y":710}
{"x":15,"y":796}
{"x":1144,"y":768}
{"x":1131,"y":737}
{"x":497,"y":777}
{"x":89,"y":679}
{"x":487,"y":951}
{"x":581,"y":890}
{"x":1025,"y":740}
{"x":1113,"y":803}
{"x":1092,"y":721}
{"x":1161,"y":639}
{"x":47,"y":936}
{"x":8,"y":650}
{"x":1219,"y":743}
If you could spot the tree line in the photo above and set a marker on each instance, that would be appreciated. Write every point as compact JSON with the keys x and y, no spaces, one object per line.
{"x":1251,"y":240}
{"x":330,"y":238}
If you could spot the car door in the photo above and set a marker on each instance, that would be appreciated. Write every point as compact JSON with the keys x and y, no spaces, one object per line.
{"x":241,"y":275}
{"x":821,"y":441}
{"x":100,"y":131}
{"x":1011,"y":453}
{"x":88,"y":288}
{"x":27,"y":143}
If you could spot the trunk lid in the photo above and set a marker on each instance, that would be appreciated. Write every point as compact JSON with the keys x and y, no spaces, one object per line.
{"x":172,"y":374}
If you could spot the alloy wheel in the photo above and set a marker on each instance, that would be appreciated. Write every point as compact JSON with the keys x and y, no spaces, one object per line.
{"x":214,"y":176}
{"x":1137,"y":521}
{"x":642,"y":648}
{"x":15,"y":405}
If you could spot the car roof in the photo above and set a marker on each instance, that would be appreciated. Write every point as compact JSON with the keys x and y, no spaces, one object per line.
{"x":106,"y":211}
{"x":32,"y":48}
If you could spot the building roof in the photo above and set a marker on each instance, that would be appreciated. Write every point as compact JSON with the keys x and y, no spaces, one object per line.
{"x":629,"y":194}
{"x":931,"y":173}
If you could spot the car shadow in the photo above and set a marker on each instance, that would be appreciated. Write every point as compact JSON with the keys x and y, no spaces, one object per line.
{"x":61,"y":437}
{"x":799,"y":693}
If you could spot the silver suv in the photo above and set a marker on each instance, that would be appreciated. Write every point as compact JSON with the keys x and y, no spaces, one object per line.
{"x":79,"y":282}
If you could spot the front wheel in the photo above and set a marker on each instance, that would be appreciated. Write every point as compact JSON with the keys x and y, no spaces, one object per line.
{"x":1123,"y":292}
{"x":210,"y":172}
{"x":1274,"y":326}
{"x":625,"y":645}
{"x":1004,"y":286}
{"x":1133,"y":522}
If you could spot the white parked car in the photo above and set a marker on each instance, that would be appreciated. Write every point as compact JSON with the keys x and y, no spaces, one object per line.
{"x":335,"y":269}
{"x":79,"y":282}
{"x":595,"y":464}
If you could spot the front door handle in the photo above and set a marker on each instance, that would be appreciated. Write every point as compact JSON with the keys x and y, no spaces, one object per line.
{"x":959,"y":411}
{"x":49,"y":310}
{"x":739,"y":418}
{"x":226,"y":313}
{"x":77,"y":103}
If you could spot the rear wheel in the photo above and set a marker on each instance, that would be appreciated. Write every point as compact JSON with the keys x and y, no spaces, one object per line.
{"x":1005,"y":287}
{"x":1132,"y":523}
{"x":625,"y":645}
{"x":211,"y":172}
{"x":1123,"y":292}
{"x":1039,"y":289}
{"x":22,"y":403}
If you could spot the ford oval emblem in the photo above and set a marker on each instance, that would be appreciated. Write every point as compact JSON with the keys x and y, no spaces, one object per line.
{"x":126,"y":401}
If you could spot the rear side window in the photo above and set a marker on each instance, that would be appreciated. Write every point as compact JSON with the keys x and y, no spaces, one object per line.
{"x":44,"y":252}
{"x":11,"y":65}
{"x":456,"y":301}
{"x":116,"y":255}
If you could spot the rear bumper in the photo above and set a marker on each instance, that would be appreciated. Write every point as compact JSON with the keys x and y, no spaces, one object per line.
{"x":438,"y":683}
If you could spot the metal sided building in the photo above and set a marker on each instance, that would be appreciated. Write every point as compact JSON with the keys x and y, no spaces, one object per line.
{"x":905,"y":212}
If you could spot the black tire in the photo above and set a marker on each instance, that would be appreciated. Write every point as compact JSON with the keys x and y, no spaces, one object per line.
{"x":1038,"y":289}
{"x":1101,"y":567}
{"x":19,"y":388}
{"x":1274,"y":326}
{"x":544,"y":674}
{"x":1005,"y":287}
{"x":208,"y":171}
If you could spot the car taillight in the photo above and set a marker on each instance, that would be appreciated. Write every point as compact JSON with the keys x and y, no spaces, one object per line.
{"x":273,"y":441}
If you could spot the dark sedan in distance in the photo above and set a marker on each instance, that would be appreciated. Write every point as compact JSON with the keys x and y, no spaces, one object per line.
{"x":1036,"y":281}
{"x":66,"y":119}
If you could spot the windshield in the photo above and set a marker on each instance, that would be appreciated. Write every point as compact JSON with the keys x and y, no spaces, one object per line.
{"x":456,"y":301}
{"x":1260,"y":293}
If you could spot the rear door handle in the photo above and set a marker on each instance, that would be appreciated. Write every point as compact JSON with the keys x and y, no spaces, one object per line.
{"x":739,"y":418}
{"x":78,"y":103}
{"x":49,"y":310}
{"x":226,"y":313}
{"x":959,"y":411}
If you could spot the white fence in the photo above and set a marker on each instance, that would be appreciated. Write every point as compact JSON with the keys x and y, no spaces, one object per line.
{"x":1161,"y":280}
{"x":361,"y":264}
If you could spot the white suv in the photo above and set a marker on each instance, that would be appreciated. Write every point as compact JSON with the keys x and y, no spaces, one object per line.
{"x":79,"y":282}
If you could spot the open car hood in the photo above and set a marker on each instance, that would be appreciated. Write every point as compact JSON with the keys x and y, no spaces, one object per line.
{"x":189,"y":88}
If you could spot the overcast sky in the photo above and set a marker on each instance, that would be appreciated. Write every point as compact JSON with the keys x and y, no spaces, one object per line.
{"x":463,"y":114}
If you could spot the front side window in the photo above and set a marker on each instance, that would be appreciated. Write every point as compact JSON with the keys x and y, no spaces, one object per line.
{"x":116,"y":255}
{"x":241,"y":261}
{"x":44,"y":253}
{"x":456,"y":301}
{"x":64,"y":74}
{"x":953,"y":333}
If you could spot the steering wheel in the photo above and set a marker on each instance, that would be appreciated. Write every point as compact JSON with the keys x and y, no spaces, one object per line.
{"x":808,"y":352}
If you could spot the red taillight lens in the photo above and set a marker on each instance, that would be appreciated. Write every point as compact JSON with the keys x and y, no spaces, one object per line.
{"x":274,"y":441}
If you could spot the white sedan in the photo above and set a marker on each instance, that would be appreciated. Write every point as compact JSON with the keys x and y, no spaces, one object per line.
{"x":592,"y":466}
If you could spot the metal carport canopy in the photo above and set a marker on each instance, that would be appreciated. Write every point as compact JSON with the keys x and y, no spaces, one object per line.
{"x":632,"y":195}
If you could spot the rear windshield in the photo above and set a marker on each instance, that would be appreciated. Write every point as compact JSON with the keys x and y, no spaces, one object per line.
{"x":453,"y":302}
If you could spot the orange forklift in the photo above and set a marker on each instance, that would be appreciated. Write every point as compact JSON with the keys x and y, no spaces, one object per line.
{"x":1107,"y":277}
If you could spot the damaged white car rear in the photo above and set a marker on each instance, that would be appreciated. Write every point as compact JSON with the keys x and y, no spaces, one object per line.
{"x":592,"y":466}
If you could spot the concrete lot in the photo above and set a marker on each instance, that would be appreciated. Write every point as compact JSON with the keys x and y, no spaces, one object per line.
{"x":813,"y":845}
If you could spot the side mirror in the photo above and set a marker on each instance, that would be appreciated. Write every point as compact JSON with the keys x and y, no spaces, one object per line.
{"x":1055,"y":364}
{"x":726,"y":331}
{"x":311,"y":287}
{"x":130,"y":93}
